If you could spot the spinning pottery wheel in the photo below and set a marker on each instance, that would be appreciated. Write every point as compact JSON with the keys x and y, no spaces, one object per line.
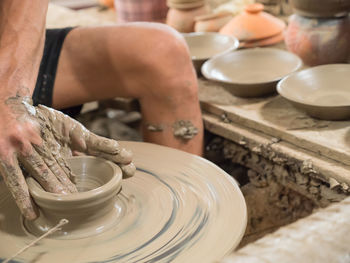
{"x":177,"y":208}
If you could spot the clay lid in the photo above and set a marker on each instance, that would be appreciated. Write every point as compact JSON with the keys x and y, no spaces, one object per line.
{"x":263,"y":42}
{"x":253,"y":24}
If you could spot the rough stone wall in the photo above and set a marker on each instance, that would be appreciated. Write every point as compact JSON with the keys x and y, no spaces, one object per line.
{"x":271,"y":166}
{"x":277,"y":190}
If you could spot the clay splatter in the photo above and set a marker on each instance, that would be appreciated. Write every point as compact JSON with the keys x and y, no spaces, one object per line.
{"x":155,"y":127}
{"x":184,"y":130}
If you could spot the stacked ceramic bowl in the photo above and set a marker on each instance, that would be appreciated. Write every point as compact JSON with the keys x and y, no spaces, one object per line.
{"x":320,"y":32}
{"x":182,"y":13}
{"x":255,"y":28}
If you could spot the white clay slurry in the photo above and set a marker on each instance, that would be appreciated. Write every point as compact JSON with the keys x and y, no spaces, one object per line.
{"x":177,"y":208}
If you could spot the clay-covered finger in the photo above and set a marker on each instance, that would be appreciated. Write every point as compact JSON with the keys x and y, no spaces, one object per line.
{"x":69,"y":131}
{"x":42,"y":172}
{"x":50,"y":151}
{"x":66,"y":169}
{"x":103,"y":147}
{"x":128,"y":170}
{"x":15,"y":182}
{"x":123,"y":157}
{"x":102,"y":144}
{"x":55,"y":168}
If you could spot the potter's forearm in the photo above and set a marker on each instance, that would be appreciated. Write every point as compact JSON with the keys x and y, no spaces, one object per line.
{"x":22,"y":35}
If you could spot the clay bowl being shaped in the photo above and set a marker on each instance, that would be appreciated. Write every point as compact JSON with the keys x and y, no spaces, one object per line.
{"x":322,"y":92}
{"x":251,"y":72}
{"x":207,"y":45}
{"x":89,"y":211}
{"x":324,"y":8}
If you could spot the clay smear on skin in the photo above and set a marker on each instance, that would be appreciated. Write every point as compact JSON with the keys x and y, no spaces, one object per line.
{"x":184,"y":130}
{"x":155,"y":127}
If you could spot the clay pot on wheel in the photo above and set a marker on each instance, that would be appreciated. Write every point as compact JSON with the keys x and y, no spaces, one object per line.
{"x":92,"y":208}
{"x":324,"y":8}
{"x":183,"y":20}
{"x":319,"y":41}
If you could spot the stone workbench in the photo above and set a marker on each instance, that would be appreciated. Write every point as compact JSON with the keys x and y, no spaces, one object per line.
{"x":272,"y":128}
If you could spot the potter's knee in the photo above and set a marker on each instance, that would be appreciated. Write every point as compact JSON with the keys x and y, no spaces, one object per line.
{"x":172,"y":66}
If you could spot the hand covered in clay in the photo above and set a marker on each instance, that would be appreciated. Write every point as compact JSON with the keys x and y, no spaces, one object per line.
{"x":39,"y":139}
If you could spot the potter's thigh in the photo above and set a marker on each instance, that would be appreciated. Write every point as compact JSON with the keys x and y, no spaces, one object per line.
{"x":104,"y":62}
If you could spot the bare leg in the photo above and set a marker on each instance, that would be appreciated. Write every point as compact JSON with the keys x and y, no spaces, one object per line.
{"x":146,"y":61}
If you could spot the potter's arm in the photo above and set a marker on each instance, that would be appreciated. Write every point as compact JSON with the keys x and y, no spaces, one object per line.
{"x":35,"y":137}
{"x":22,"y":35}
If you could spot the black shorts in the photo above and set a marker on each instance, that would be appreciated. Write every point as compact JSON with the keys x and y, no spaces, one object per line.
{"x":43,"y":91}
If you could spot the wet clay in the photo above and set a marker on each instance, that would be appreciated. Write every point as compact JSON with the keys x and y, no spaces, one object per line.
{"x":184,"y":211}
{"x":184,"y":130}
{"x":90,"y":211}
{"x":155,"y":127}
{"x":53,"y":137}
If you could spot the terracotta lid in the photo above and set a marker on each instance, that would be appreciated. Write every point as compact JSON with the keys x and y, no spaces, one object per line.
{"x":263,"y":42}
{"x":253,"y":24}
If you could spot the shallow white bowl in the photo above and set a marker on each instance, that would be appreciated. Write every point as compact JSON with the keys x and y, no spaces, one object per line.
{"x":206,"y":45}
{"x":251,"y":72}
{"x":322,"y":92}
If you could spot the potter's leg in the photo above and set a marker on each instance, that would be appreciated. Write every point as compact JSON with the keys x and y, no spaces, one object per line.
{"x":149,"y":62}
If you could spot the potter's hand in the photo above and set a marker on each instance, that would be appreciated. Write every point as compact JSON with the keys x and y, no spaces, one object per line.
{"x":64,"y":135}
{"x":38,"y":138}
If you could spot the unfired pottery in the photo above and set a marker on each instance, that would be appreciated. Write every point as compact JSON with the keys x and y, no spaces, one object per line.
{"x":322,"y":92}
{"x":183,"y":20}
{"x":177,"y":208}
{"x":251,"y":72}
{"x":91,"y":210}
{"x":206,"y":45}
{"x":253,"y":24}
{"x":323,"y":8}
{"x":211,"y":22}
{"x":319,"y":41}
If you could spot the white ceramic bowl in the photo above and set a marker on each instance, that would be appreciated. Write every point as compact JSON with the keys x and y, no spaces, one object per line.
{"x":251,"y":72}
{"x":205,"y":45}
{"x":322,"y":92}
